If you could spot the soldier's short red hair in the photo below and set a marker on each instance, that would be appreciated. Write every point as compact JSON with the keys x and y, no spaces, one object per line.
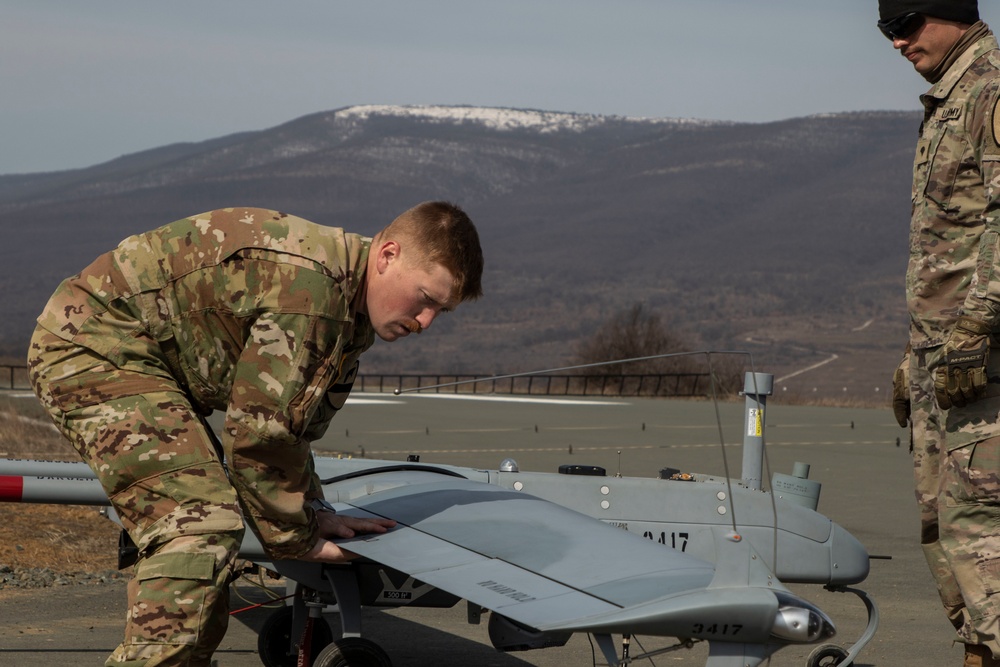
{"x":443,"y":234}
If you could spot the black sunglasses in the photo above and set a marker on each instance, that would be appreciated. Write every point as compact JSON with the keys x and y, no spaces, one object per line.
{"x":901,"y":27}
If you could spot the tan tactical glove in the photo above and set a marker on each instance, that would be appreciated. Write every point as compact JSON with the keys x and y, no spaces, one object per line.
{"x":901,"y":391}
{"x":960,"y":372}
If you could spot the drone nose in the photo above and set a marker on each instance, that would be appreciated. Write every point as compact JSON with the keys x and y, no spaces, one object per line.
{"x":850,"y":562}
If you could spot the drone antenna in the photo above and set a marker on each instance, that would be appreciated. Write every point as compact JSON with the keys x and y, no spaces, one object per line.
{"x":722,"y":438}
{"x":619,"y":473}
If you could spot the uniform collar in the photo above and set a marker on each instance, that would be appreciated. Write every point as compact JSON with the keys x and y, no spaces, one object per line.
{"x":942,"y":89}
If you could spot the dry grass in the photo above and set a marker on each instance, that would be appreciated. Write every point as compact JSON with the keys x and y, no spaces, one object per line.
{"x":32,"y":436}
{"x":65,"y":538}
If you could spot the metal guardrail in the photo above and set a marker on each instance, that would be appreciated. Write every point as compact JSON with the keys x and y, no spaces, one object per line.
{"x":669,"y":384}
{"x":13,"y":376}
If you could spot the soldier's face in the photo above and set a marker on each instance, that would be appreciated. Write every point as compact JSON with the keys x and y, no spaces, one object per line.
{"x":929,"y":44}
{"x":404,"y":296}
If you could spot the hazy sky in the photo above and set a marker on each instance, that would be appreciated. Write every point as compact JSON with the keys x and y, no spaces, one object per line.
{"x":85,"y":82}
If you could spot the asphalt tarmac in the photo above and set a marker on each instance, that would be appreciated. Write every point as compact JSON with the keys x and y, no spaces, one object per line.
{"x":856,"y":454}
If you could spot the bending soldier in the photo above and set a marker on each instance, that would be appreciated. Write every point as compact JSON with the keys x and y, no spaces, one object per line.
{"x":249,"y":311}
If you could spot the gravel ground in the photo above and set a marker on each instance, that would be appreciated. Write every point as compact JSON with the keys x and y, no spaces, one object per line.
{"x":43,"y":577}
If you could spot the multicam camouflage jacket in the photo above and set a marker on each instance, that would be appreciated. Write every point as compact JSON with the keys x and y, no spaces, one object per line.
{"x":251,"y":311}
{"x":955,"y":225}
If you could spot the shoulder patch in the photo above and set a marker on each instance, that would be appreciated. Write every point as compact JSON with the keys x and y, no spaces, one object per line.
{"x":996,"y":123}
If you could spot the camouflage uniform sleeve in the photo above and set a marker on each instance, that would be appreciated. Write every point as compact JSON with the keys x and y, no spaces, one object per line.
{"x":282,"y":376}
{"x":983,"y":299}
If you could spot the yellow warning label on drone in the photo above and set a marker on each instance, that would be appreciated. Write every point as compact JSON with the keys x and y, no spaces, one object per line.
{"x":755,"y":422}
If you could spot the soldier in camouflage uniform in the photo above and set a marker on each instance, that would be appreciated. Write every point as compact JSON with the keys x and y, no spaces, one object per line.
{"x":948,"y":384}
{"x":250,"y":311}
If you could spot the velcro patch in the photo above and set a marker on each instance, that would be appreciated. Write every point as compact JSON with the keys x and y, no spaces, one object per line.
{"x":948,"y":113}
{"x":996,"y":123}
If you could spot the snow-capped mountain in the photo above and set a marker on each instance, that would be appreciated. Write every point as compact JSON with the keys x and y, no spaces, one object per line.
{"x":724,"y":227}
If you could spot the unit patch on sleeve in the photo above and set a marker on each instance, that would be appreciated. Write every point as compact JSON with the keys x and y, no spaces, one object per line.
{"x":996,"y":123}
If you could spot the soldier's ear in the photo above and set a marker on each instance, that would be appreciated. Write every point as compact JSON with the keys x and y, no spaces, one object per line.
{"x":386,"y":253}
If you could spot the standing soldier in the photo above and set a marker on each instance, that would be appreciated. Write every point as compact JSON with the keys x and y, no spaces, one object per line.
{"x":250,"y":311}
{"x":949,"y":384}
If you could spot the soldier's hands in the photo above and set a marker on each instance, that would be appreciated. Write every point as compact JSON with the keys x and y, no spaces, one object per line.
{"x":326,"y":551}
{"x":338,"y":525}
{"x":960,"y":371}
{"x":901,"y":391}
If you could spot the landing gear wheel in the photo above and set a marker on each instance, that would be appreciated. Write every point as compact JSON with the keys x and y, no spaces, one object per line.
{"x":352,"y":652}
{"x":274,"y":642}
{"x":827,"y":655}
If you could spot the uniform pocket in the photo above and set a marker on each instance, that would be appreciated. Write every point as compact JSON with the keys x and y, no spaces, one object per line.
{"x":173,"y":589}
{"x":985,"y":264}
{"x":331,"y":404}
{"x":973,"y":473}
{"x":941,"y":172}
{"x":920,"y":167}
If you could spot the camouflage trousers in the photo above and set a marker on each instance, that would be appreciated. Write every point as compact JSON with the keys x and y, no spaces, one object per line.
{"x":956,"y":456}
{"x":165,"y":479}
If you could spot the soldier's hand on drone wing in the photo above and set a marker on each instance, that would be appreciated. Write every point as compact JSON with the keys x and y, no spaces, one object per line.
{"x":326,"y":551}
{"x":960,"y":370}
{"x":337,"y":525}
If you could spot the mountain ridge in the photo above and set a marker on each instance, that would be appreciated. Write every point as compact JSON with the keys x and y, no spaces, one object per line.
{"x":792,"y":231}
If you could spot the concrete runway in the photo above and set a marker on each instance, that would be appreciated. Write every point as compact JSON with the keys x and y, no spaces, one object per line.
{"x":867,"y":488}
